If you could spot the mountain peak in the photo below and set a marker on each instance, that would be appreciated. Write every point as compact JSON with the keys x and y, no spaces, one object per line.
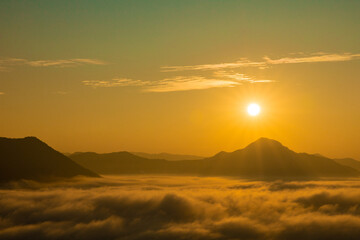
{"x":30,"y":158}
{"x":219,"y":154}
{"x":266,"y":142}
{"x":25,"y":139}
{"x":32,"y":138}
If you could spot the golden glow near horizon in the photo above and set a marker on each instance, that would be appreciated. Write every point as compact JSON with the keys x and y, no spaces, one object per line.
{"x":253,"y":109}
{"x":175,"y":77}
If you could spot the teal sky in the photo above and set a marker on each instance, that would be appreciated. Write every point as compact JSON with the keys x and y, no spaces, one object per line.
{"x":312,"y":105}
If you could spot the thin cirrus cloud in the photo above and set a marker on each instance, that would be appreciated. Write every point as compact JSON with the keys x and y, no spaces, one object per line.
{"x":115,"y":82}
{"x":244,"y":62}
{"x":5,"y":64}
{"x":315,"y":59}
{"x":184,"y":83}
{"x":179,"y":83}
{"x":239,"y":77}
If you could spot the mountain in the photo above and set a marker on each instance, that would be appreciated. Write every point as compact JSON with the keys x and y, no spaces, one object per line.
{"x":30,"y":158}
{"x":263,"y":158}
{"x":128,"y":163}
{"x":267,"y":157}
{"x":167,"y":156}
{"x":117,"y":162}
{"x":349,"y":162}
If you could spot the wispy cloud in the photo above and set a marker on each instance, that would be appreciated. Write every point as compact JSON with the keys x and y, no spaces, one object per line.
{"x":314,"y":59}
{"x":179,"y":83}
{"x":2,"y":93}
{"x":10,"y":62}
{"x":184,"y":83}
{"x":219,"y":79}
{"x":239,"y":77}
{"x":115,"y":82}
{"x":266,"y":62}
{"x":243,"y":62}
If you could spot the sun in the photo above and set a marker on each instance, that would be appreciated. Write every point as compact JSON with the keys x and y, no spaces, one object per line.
{"x":253,"y":109}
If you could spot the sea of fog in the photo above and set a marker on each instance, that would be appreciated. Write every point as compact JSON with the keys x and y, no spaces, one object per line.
{"x":171,"y":207}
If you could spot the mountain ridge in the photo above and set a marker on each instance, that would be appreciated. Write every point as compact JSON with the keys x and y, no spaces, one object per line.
{"x":263,"y":158}
{"x":167,"y":156}
{"x":350,"y":162}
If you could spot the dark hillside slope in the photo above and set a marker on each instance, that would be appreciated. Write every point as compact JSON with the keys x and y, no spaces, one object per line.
{"x":30,"y":158}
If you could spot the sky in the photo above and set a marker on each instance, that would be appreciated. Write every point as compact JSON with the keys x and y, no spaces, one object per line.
{"x":176,"y":76}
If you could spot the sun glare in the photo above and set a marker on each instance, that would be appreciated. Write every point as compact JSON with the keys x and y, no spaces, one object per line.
{"x":253,"y":109}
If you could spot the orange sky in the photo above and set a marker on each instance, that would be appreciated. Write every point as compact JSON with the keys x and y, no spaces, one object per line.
{"x":177,"y":76}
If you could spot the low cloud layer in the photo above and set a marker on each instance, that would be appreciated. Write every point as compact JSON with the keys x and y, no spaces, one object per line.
{"x":150,"y":207}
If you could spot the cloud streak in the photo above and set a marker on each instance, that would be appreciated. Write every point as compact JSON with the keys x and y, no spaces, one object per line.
{"x":169,"y":207}
{"x":239,"y":77}
{"x":314,"y":59}
{"x":184,"y":83}
{"x":266,"y":63}
{"x":179,"y":83}
{"x":243,"y":62}
{"x":115,"y":82}
{"x":5,"y":64}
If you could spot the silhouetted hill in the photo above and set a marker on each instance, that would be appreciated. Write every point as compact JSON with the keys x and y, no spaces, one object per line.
{"x":117,"y":162}
{"x":349,"y":162}
{"x":167,"y":156}
{"x":262,"y":158}
{"x":266,"y":157}
{"x":30,"y":158}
